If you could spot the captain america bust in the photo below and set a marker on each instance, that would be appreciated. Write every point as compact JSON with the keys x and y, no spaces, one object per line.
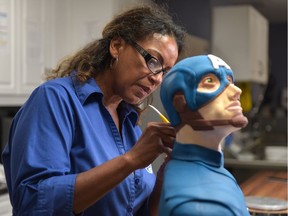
{"x":203,"y":104}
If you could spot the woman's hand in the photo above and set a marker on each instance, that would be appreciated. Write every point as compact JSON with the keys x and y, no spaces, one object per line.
{"x":156,"y":139}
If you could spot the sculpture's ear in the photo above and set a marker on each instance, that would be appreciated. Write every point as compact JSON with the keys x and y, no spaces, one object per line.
{"x":179,"y":102}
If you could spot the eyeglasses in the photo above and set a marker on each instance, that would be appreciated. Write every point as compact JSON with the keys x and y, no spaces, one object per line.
{"x":153,"y":64}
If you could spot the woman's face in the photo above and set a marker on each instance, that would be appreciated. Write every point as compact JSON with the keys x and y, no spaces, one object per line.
{"x":131,"y":78}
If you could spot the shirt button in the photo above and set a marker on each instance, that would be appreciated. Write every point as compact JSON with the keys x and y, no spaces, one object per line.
{"x":137,"y":181}
{"x":129,"y":209}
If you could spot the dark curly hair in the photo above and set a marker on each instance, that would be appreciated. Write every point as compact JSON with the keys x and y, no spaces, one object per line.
{"x":136,"y":24}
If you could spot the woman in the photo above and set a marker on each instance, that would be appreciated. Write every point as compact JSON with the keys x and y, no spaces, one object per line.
{"x":75,"y":146}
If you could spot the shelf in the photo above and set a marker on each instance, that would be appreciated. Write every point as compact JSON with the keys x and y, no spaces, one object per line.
{"x":255,"y":164}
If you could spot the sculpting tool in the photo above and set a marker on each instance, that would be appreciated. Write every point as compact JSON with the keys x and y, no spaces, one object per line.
{"x":164,"y":119}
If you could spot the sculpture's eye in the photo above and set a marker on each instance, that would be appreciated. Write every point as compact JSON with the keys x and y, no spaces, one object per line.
{"x":229,"y":78}
{"x":208,"y":83}
{"x":208,"y":80}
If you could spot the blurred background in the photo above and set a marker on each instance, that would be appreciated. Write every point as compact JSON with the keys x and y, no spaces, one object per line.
{"x":250,"y":35}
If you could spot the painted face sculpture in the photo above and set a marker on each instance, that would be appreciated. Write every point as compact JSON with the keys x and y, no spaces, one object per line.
{"x":187,"y":78}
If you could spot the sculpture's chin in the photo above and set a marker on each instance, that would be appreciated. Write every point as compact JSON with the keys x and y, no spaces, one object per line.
{"x":239,"y":121}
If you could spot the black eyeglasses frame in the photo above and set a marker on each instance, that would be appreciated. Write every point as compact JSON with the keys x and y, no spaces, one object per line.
{"x":147,"y":57}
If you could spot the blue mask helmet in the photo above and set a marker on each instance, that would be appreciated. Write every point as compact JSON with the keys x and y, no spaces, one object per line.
{"x":185,"y":76}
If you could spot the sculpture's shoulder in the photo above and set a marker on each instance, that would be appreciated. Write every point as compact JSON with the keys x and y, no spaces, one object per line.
{"x":194,"y":188}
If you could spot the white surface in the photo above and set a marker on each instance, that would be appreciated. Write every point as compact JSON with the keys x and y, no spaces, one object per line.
{"x":240,"y":38}
{"x":5,"y":206}
{"x":276,"y":153}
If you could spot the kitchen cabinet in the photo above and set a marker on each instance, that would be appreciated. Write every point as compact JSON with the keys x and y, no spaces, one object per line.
{"x":24,"y":47}
{"x":35,"y":43}
{"x":7,"y":44}
{"x":240,"y":36}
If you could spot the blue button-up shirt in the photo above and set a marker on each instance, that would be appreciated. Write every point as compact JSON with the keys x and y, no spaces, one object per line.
{"x":64,"y":129}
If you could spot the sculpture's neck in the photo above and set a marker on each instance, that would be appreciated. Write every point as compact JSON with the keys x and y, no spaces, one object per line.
{"x":212,"y":139}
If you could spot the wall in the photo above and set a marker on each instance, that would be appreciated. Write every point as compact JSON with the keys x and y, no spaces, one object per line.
{"x":79,"y":22}
{"x":194,"y":15}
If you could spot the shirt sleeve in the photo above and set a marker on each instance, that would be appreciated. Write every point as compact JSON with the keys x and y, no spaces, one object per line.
{"x":40,"y":142}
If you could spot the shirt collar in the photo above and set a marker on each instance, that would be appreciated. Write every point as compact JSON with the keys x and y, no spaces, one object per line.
{"x":191,"y":152}
{"x":90,"y":88}
{"x":128,"y":110}
{"x":86,"y":89}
